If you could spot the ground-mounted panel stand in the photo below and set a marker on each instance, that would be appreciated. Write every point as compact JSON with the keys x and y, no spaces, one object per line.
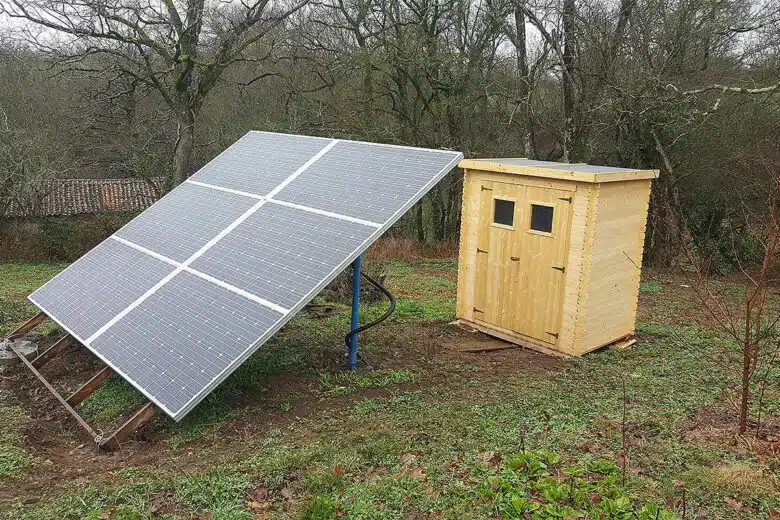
{"x":111,"y":442}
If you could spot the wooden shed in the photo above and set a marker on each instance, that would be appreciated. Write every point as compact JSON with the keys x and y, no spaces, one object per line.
{"x":551,"y":253}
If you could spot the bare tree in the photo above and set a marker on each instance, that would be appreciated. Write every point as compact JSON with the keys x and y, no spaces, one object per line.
{"x":753,"y":325}
{"x":26,"y":167}
{"x":179,"y":48}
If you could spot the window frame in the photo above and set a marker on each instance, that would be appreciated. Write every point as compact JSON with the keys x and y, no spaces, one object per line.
{"x":533,"y":231}
{"x":493,"y":222}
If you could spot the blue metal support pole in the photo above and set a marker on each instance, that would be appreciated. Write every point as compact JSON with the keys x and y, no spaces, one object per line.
{"x":353,"y":341}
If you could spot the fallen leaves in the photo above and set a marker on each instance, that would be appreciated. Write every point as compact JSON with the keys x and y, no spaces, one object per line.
{"x":733,"y":503}
{"x":258,"y":504}
{"x":491,"y":458}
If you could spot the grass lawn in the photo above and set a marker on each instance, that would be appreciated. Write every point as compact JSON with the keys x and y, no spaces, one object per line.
{"x":422,"y":431}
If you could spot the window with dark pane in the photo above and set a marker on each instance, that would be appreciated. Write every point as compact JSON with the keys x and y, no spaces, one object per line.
{"x":541,"y":218}
{"x":504,"y":212}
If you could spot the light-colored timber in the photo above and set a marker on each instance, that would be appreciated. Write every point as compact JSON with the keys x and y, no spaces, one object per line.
{"x":564,"y":287}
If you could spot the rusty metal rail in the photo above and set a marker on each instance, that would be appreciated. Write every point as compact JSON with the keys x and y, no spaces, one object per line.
{"x":111,"y":442}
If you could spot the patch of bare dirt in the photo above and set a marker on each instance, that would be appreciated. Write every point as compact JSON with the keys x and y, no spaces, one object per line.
{"x":718,"y":427}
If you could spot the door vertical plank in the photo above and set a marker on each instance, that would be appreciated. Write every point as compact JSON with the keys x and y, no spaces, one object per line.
{"x":483,"y":248}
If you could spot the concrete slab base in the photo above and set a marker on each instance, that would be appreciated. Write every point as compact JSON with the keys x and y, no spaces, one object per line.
{"x":28,"y":348}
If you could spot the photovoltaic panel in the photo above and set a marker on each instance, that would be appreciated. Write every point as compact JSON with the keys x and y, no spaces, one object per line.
{"x":184,"y":293}
{"x":184,"y":220}
{"x":180,"y":338}
{"x":259,"y":161}
{"x":365,"y":180}
{"x":281,"y":253}
{"x":97,"y":286}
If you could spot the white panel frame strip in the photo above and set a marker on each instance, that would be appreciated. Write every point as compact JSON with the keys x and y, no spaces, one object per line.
{"x":227,"y":190}
{"x":229,"y":287}
{"x":146,"y":251}
{"x":270,"y":199}
{"x":208,"y":245}
{"x":324,"y":213}
{"x":197,"y":398}
{"x":246,"y":294}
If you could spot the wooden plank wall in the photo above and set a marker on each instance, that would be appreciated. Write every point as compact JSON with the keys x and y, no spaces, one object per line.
{"x":580,"y":234}
{"x":467,"y":254}
{"x":615,"y":258}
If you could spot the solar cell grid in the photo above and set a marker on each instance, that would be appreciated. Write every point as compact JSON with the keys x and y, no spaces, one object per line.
{"x":281,"y":253}
{"x":184,"y":220}
{"x":259,"y":161}
{"x":366,"y":181}
{"x":180,"y":338}
{"x":97,"y":286}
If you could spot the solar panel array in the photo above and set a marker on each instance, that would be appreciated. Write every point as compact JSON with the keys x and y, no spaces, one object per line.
{"x":179,"y":297}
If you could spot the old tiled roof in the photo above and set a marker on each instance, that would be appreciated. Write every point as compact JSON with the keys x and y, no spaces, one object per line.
{"x":81,"y":196}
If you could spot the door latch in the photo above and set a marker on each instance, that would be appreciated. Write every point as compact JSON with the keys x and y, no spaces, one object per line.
{"x":561,"y":268}
{"x":478,"y":310}
{"x":567,"y":199}
{"x":481,"y":250}
{"x":514,"y":258}
{"x":486,"y":189}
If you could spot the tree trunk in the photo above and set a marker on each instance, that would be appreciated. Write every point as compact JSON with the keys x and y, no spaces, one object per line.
{"x":570,"y":152}
{"x":438,"y":211}
{"x":744,"y":400}
{"x":368,"y":94}
{"x":524,"y":87}
{"x":368,"y":79}
{"x":183,"y":152}
{"x":675,"y":234}
{"x":420,"y":223}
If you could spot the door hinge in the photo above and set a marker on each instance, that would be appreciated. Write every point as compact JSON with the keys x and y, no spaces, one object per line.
{"x":514,"y":258}
{"x":486,"y":189}
{"x":478,"y":310}
{"x":555,"y":334}
{"x":481,"y":250}
{"x":561,"y":268}
{"x":567,"y":199}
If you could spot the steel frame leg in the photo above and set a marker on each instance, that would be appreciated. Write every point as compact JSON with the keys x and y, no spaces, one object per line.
{"x":352,"y":357}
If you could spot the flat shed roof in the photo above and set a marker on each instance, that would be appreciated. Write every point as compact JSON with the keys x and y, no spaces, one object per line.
{"x":580,"y":172}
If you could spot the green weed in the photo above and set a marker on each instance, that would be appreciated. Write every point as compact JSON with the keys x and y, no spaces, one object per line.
{"x":108,"y":402}
{"x":343,"y":383}
{"x":220,"y":493}
{"x":16,"y":282}
{"x":14,"y":460}
{"x":651,"y":287}
{"x":320,"y":508}
{"x":133,"y":500}
{"x":537,"y":485}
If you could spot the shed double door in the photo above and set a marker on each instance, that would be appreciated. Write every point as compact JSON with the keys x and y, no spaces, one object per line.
{"x":521,"y":253}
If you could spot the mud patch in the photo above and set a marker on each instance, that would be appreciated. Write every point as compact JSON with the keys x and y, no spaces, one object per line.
{"x":718,"y":427}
